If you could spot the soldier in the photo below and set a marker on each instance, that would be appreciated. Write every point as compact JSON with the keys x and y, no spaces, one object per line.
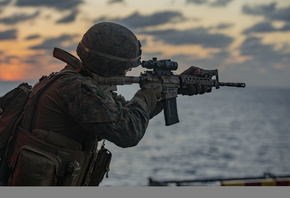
{"x":57,"y":140}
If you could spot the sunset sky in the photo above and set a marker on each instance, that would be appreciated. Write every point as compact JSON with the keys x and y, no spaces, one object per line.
{"x":247,"y":40}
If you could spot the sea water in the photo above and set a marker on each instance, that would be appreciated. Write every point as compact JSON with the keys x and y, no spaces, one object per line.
{"x":230,"y":132}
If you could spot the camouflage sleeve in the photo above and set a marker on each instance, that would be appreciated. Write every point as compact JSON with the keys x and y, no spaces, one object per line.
{"x":124,"y":124}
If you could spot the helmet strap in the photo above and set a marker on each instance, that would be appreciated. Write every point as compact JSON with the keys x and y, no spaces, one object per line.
{"x":109,"y":55}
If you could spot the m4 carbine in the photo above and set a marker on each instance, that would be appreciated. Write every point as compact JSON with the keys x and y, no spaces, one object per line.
{"x":159,"y":76}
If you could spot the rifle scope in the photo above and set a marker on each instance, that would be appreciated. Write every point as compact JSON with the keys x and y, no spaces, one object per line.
{"x":164,"y":64}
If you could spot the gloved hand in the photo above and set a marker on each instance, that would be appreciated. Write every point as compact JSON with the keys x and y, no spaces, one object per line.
{"x":119,"y":98}
{"x":158,"y":108}
{"x":150,"y":97}
{"x":193,"y":89}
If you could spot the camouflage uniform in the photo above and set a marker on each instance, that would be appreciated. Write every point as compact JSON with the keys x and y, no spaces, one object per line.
{"x":63,"y":125}
{"x":75,"y":105}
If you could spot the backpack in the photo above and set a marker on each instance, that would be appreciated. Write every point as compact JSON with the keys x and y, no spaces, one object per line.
{"x":12,"y":104}
{"x":11,"y":108}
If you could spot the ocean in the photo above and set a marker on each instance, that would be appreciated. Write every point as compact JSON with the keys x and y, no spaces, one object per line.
{"x":230,"y":132}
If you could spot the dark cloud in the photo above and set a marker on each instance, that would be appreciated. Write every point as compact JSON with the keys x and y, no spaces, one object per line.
{"x":216,"y":3}
{"x":212,"y":61}
{"x":286,"y":27}
{"x":263,"y":55}
{"x":35,"y":59}
{"x":31,"y":37}
{"x":4,"y":2}
{"x":8,"y":59}
{"x":282,"y":14}
{"x":8,"y":34}
{"x":197,"y":1}
{"x":38,"y":63}
{"x":260,"y":28}
{"x":56,"y":4}
{"x":223,"y":26}
{"x":61,"y":41}
{"x":17,"y":18}
{"x":265,"y":67}
{"x":220,"y":3}
{"x":197,"y":36}
{"x":252,"y":46}
{"x":115,"y":1}
{"x":137,"y":20}
{"x":270,"y":11}
{"x":266,"y":27}
{"x":259,"y":9}
{"x":69,"y":18}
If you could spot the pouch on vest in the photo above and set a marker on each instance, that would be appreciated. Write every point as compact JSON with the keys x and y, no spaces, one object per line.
{"x":102,"y":166}
{"x":36,"y":162}
{"x":35,"y":167}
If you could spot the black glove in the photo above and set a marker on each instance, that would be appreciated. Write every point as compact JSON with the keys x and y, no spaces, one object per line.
{"x":193,"y":89}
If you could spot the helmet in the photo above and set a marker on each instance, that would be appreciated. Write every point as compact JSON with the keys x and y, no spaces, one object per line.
{"x":109,"y":49}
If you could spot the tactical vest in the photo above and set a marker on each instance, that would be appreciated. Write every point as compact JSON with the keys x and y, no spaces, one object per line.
{"x":47,"y":158}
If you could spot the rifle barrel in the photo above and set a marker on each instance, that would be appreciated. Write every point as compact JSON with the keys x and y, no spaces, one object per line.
{"x":118,"y":80}
{"x":231,"y":84}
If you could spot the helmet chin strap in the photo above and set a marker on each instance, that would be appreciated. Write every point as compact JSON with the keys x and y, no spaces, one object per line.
{"x":108,"y":55}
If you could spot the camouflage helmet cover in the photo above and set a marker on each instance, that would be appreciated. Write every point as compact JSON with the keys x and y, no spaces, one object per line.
{"x":109,"y":48}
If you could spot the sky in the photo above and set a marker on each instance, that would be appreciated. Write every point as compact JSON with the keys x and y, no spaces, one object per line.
{"x":246,"y":40}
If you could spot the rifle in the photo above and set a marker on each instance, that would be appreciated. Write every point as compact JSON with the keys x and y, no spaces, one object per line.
{"x":160,"y":76}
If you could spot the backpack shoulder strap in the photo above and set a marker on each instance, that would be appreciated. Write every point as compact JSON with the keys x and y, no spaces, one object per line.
{"x":38,"y":89}
{"x":46,"y":81}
